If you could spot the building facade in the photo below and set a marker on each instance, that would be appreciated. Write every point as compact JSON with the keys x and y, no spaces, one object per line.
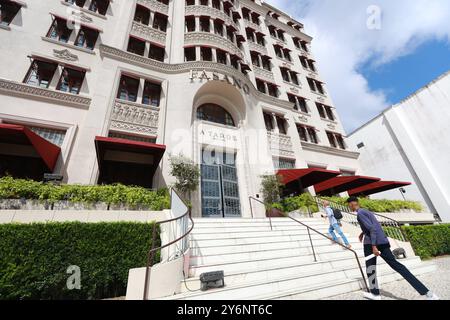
{"x":103,"y":91}
{"x":411,"y":141}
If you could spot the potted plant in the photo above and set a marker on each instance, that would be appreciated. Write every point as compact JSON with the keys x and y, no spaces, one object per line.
{"x":271,"y":188}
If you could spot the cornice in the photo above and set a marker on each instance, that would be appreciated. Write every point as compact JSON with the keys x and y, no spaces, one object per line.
{"x":330,"y":150}
{"x":187,"y":67}
{"x":58,"y":97}
{"x":293,"y":32}
{"x":155,"y":6}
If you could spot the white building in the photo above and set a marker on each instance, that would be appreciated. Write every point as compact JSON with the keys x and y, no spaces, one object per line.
{"x":411,"y":141}
{"x":104,"y":91}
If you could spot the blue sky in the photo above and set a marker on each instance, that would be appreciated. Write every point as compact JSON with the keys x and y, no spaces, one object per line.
{"x":371,"y":56}
{"x":405,"y":75}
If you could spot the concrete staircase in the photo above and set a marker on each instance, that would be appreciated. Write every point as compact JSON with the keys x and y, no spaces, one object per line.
{"x":262,"y":264}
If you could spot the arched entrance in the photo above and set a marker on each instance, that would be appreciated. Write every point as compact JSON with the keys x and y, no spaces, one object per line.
{"x":218,"y":111}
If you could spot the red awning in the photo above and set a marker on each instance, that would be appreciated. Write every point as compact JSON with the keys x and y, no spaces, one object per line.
{"x":17,"y":134}
{"x":342,"y":184}
{"x":306,"y":177}
{"x":377,"y":187}
{"x":102,"y":144}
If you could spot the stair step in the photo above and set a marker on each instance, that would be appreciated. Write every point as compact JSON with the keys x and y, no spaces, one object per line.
{"x":252,"y":234}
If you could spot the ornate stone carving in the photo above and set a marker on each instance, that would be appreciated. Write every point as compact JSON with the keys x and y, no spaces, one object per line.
{"x":258,"y":48}
{"x":214,"y":40}
{"x":186,"y":67}
{"x":134,"y":118}
{"x":155,"y":6}
{"x":65,"y":55}
{"x":148,"y":33}
{"x":331,"y":126}
{"x":263,"y":74}
{"x":280,"y":144}
{"x":21,"y":89}
{"x":211,"y":12}
{"x":81,"y":16}
{"x":303,"y":118}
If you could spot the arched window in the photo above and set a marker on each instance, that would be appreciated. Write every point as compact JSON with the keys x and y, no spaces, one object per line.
{"x":215,"y":113}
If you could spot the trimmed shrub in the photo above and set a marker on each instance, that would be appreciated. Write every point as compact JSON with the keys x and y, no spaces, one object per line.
{"x":34,"y":258}
{"x":302,"y":202}
{"x":429,"y":241}
{"x":134,"y":197}
{"x":382,"y":205}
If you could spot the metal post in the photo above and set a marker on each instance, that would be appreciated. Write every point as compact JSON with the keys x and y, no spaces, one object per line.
{"x":312,"y":246}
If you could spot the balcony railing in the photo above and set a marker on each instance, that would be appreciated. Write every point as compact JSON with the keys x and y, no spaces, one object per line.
{"x":280,"y":144}
{"x":263,"y":74}
{"x":129,"y":117}
{"x":258,"y":48}
{"x":211,"y":12}
{"x":210,"y":39}
{"x":154,"y":5}
{"x":148,"y":33}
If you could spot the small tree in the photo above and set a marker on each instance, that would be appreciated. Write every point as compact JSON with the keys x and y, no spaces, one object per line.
{"x":271,"y":188}
{"x":186,"y":173}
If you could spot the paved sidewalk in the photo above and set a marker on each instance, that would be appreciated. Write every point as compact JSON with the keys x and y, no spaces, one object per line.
{"x":438,"y":282}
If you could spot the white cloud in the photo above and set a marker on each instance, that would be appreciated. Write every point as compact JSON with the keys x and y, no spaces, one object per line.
{"x":342,"y":43}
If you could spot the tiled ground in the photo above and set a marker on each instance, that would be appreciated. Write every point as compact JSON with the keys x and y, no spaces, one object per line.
{"x":438,"y":282}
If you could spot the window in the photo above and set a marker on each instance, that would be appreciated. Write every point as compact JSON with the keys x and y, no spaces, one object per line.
{"x":40,"y":73}
{"x":8,"y":10}
{"x":142,"y":15}
{"x":255,"y":58}
{"x":190,"y":24}
{"x":99,"y":6}
{"x":273,"y":90}
{"x":206,"y":54}
{"x":294,"y":78}
{"x":268,"y":121}
{"x":261,"y":86}
{"x":160,"y":22}
{"x":189,"y":54}
{"x":152,"y":94}
{"x":260,"y":39}
{"x":87,"y":38}
{"x":221,"y":56}
{"x":266,"y":63}
{"x":156,"y":52}
{"x":281,"y":163}
{"x":307,"y":134}
{"x":336,"y":140}
{"x":128,"y":89}
{"x":281,"y":124}
{"x":71,"y":81}
{"x":79,"y":3}
{"x":285,"y":74}
{"x":299,"y":103}
{"x":316,"y":86}
{"x":54,"y":136}
{"x":59,"y":30}
{"x":205,"y":24}
{"x":215,"y":113}
{"x":136,"y":46}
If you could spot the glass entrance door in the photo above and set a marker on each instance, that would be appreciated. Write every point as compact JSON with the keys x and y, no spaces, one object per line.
{"x":220,"y":189}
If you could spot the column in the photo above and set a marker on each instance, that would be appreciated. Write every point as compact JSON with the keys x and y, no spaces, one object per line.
{"x":214,"y":54}
{"x":228,"y":58}
{"x":260,"y":60}
{"x":275,"y":124}
{"x":197,"y":53}
{"x":147,"y":49}
{"x":140,"y":90}
{"x":152,"y":18}
{"x":197,"y":23}
{"x":211,"y":25}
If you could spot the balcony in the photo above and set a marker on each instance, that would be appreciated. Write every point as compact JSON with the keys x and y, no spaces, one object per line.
{"x":258,"y":48}
{"x":213,"y":40}
{"x":148,"y":33}
{"x":252,"y":25}
{"x":154,"y":5}
{"x":211,"y":12}
{"x":280,"y":144}
{"x":134,"y":118}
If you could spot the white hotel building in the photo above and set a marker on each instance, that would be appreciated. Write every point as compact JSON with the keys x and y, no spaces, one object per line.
{"x":103,"y":91}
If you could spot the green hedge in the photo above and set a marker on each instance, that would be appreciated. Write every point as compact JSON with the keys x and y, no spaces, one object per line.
{"x":34,"y":258}
{"x":134,"y":197}
{"x":301,"y":202}
{"x":429,"y":241}
{"x":382,"y":205}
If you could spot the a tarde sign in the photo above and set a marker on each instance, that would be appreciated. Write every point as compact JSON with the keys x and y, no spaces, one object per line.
{"x":223,"y":137}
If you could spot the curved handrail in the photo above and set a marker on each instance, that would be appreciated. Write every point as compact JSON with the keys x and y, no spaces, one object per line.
{"x":343,"y":246}
{"x":392,"y":223}
{"x":153,"y":250}
{"x":250,"y":198}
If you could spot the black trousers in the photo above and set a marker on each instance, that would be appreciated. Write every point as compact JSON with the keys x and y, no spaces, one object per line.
{"x":389,"y":257}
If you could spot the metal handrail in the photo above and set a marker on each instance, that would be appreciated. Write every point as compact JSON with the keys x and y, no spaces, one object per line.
{"x":153,"y":250}
{"x":250,"y":198}
{"x":343,"y":246}
{"x":392,"y":227}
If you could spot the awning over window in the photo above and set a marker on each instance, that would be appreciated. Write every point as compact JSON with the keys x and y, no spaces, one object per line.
{"x":342,"y":184}
{"x":377,"y":187}
{"x":105,"y":144}
{"x":306,"y":177}
{"x":17,"y":134}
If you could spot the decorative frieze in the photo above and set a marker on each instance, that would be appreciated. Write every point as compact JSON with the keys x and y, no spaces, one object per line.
{"x":148,"y":33}
{"x":258,"y":48}
{"x":263,"y":74}
{"x":154,"y":5}
{"x":25,"y":90}
{"x":280,"y":144}
{"x":211,"y":12}
{"x":214,"y":40}
{"x":134,"y":118}
{"x":65,"y":55}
